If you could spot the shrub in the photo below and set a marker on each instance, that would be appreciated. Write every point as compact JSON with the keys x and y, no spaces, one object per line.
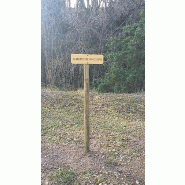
{"x":126,"y":61}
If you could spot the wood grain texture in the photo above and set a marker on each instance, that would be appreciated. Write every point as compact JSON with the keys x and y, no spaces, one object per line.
{"x":86,"y":107}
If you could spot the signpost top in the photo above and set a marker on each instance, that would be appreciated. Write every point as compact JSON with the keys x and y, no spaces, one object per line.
{"x":86,"y":59}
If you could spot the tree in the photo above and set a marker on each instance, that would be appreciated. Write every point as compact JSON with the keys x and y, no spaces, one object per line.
{"x":125,"y":61}
{"x":84,"y":29}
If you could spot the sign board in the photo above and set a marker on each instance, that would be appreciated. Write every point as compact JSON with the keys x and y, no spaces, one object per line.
{"x":86,"y":59}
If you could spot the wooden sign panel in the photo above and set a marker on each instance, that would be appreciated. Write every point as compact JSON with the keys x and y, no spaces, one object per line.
{"x":86,"y":59}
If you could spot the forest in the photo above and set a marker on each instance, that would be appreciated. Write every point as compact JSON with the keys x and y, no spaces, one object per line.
{"x":113,"y":28}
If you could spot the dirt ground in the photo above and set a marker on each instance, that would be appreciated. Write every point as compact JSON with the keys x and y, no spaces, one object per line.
{"x":104,"y":164}
{"x":73,"y":156}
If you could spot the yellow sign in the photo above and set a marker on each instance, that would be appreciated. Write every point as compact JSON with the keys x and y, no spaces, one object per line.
{"x":86,"y":59}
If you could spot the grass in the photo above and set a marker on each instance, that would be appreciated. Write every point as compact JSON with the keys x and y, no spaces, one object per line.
{"x":99,"y":179}
{"x":62,"y":176}
{"x":112,"y":162}
{"x":116,"y":125}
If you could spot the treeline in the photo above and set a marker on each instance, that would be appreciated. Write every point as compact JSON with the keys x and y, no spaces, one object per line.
{"x":114,"y":28}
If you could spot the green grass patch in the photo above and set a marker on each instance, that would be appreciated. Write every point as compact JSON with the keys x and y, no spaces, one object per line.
{"x":63,"y":176}
{"x":112,"y":162}
{"x":101,"y":178}
{"x":114,"y":154}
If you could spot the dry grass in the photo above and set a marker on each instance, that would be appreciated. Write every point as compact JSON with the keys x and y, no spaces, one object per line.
{"x":117,"y":138}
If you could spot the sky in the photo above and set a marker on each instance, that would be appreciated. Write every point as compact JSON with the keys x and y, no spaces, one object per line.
{"x":73,"y":2}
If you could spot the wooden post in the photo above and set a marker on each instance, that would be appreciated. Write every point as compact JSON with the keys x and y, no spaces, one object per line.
{"x":86,"y":107}
{"x":86,"y":59}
